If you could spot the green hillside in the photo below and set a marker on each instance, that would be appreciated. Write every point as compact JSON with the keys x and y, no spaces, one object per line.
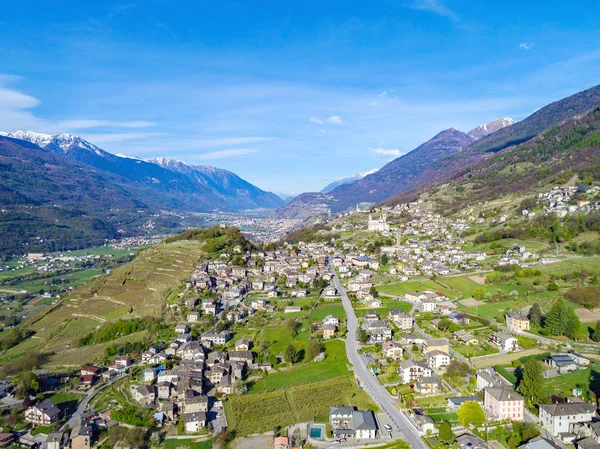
{"x":139,"y":289}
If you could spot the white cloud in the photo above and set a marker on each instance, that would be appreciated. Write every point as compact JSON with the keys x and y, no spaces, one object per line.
{"x":394,"y":152}
{"x":435,"y":6}
{"x":322,"y":131}
{"x":525,"y":46}
{"x":382,"y":94}
{"x":335,"y":120}
{"x":223,"y":154}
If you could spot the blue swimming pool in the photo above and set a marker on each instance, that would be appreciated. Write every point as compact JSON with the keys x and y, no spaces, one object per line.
{"x":315,"y":432}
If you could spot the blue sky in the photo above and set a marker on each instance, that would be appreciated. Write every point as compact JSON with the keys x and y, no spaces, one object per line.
{"x":288,"y":94}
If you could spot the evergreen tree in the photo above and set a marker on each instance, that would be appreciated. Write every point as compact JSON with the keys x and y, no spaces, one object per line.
{"x":313,"y":349}
{"x":291,"y":355}
{"x":535,"y":314}
{"x":561,"y":320}
{"x":596,"y":334}
{"x":532,"y":378}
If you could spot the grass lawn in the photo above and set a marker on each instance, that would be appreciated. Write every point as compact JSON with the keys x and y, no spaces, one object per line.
{"x":401,"y":288}
{"x":441,"y":417}
{"x":188,"y":444}
{"x":279,"y":338}
{"x":337,"y":310}
{"x":258,"y":413}
{"x":432,"y":401}
{"x":565,"y":383}
{"x":334,"y":365}
{"x":66,"y":401}
{"x":43,"y":429}
{"x":387,"y":305}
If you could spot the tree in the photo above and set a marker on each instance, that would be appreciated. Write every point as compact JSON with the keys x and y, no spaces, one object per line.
{"x":456,"y":368}
{"x":27,"y":383}
{"x":292,"y":326}
{"x":313,"y":349}
{"x":362,"y":335}
{"x":446,"y":435}
{"x":535,"y":314}
{"x":444,"y":324}
{"x":596,"y":333}
{"x":553,"y":287}
{"x":561,"y":320}
{"x":478,"y":293}
{"x":373,"y":292}
{"x":531,"y":380}
{"x":384,"y":259}
{"x":471,"y":414}
{"x":291,"y":355}
{"x":75,"y":382}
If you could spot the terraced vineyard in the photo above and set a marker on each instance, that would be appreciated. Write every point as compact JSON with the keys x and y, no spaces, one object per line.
{"x":136,"y":289}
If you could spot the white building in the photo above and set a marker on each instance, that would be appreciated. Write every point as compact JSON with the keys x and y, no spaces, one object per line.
{"x":378,"y":225}
{"x":557,"y":418}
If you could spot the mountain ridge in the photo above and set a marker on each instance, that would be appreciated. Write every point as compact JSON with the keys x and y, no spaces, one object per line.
{"x":217,"y":189}
{"x":347,"y":180}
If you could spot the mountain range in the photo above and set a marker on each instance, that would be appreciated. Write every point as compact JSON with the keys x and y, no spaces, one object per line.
{"x":61,"y":192}
{"x":392,"y":178}
{"x":447,"y":155}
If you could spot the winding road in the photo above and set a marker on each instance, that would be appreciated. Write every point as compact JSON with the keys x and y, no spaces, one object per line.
{"x":367,"y":379}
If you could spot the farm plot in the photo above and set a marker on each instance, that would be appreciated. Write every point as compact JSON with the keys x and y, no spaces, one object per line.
{"x":257,"y":413}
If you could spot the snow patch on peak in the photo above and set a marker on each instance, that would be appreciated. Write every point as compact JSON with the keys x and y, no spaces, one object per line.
{"x":349,"y":180}
{"x":488,"y":128}
{"x":39,"y":139}
{"x":124,"y":156}
{"x":66,"y":141}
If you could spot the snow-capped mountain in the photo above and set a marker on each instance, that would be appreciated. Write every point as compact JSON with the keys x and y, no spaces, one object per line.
{"x":39,"y":139}
{"x":204,"y":187}
{"x":488,"y":128}
{"x":349,"y":180}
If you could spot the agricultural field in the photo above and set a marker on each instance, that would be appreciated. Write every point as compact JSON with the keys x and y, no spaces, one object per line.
{"x":258,"y":413}
{"x":334,"y":365}
{"x":505,"y":359}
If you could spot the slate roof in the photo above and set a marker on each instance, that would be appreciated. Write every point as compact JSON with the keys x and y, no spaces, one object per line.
{"x":569,"y":408}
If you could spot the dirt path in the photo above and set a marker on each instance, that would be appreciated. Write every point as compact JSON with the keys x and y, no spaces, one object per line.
{"x":102,"y":320}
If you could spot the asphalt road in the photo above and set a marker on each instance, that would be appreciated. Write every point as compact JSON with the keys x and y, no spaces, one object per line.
{"x":367,"y":379}
{"x":81,"y":408}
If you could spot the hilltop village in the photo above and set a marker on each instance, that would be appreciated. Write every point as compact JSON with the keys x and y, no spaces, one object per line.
{"x":450,"y":335}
